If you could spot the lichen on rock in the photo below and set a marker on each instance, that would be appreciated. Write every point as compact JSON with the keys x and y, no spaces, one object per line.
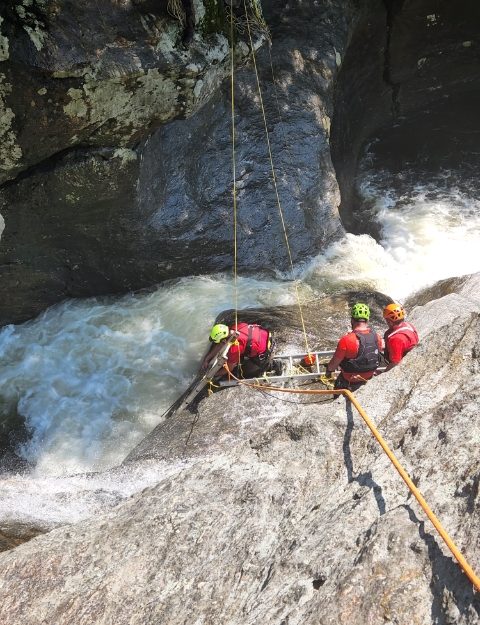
{"x":4,"y":50}
{"x":10,"y":151}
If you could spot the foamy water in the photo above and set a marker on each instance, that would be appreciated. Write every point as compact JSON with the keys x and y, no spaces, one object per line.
{"x":91,"y":378}
{"x":44,"y":502}
{"x":425,"y":237}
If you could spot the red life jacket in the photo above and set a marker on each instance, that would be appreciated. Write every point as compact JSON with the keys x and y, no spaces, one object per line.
{"x":253,"y":339}
{"x":407,"y":330}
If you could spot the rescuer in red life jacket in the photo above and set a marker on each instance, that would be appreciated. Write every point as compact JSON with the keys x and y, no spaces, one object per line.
{"x":357,"y":353}
{"x":250,"y":355}
{"x":400,"y":338}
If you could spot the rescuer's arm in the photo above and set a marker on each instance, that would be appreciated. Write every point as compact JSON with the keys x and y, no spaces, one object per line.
{"x":337,"y":358}
{"x":215,"y":348}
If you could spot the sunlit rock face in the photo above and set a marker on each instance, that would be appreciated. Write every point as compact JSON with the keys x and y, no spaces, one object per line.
{"x":282,"y":508}
{"x":407,"y":99}
{"x":99,"y":74}
{"x":92,"y":206}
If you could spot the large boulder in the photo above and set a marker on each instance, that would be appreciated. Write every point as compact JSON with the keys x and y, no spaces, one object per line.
{"x":75,"y":129}
{"x":284,"y":509}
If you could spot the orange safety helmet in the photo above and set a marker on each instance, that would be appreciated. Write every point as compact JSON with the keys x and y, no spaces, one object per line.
{"x":394,"y":312}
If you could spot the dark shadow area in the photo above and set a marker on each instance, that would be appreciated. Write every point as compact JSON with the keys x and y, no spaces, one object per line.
{"x":447,"y":577}
{"x":408,"y":86}
{"x":13,"y":432}
{"x":363,"y":479}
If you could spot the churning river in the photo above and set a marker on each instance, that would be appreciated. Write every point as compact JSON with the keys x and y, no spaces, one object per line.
{"x":91,"y":378}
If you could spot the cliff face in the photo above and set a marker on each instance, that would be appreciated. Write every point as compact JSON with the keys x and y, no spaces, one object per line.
{"x":92,"y":206}
{"x":408,"y":88}
{"x":287,"y":511}
{"x":81,"y":85}
{"x":101,"y":74}
{"x":115,"y":127}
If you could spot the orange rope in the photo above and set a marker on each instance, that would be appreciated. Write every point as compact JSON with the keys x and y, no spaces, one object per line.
{"x":469,"y":572}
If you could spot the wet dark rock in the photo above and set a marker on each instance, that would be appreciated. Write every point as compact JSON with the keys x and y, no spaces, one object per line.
{"x":10,"y":462}
{"x":81,"y":80}
{"x":170,"y":213}
{"x":192,"y":184}
{"x":11,"y":538}
{"x":407,"y":90}
{"x":77,"y":237}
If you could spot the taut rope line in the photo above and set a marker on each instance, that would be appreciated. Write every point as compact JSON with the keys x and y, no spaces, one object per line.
{"x":234,"y":170}
{"x":274,"y":178}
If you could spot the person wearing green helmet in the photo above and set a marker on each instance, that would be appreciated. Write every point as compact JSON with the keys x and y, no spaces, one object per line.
{"x":358,"y":352}
{"x":219,"y":332}
{"x":249,"y":355}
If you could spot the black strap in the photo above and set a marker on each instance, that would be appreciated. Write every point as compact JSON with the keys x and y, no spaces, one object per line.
{"x":248,"y":346}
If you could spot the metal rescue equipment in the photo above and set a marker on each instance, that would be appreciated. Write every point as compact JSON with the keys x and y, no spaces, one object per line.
{"x":215,"y":366}
{"x":291,"y":370}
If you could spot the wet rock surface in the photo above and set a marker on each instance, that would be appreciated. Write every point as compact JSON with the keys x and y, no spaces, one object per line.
{"x":143,"y":95}
{"x":87,"y":82}
{"x":284,"y":509}
{"x":169,"y":198}
{"x":192,"y":184}
{"x":406,"y":97}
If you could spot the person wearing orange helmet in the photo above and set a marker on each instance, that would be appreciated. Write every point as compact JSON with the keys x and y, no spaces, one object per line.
{"x":400,"y":338}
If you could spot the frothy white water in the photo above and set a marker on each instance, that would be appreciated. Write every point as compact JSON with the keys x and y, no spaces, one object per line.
{"x":45,"y":502}
{"x":425,"y":237}
{"x":91,"y":379}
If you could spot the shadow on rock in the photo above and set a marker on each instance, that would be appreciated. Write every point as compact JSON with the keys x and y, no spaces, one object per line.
{"x":364,"y":479}
{"x":452,"y":592}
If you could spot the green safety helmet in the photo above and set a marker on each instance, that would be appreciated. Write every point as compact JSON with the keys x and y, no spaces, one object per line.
{"x":360,"y":311}
{"x":219,"y":332}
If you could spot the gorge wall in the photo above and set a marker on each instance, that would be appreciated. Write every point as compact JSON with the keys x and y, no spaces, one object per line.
{"x":116,"y":132}
{"x":94,"y":203}
{"x":407,"y":84}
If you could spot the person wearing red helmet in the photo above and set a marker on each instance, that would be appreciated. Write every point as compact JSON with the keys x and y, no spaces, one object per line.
{"x":400,"y":338}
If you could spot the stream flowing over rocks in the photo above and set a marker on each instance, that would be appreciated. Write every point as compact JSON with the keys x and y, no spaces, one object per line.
{"x":116,"y":179}
{"x":94,"y":203}
{"x":95,"y":200}
{"x":284,"y":509}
